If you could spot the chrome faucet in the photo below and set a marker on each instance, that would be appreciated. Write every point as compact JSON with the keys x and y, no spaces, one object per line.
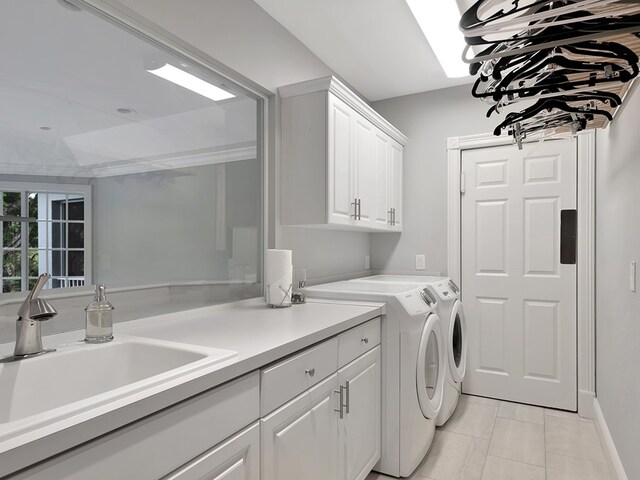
{"x":33,"y":311}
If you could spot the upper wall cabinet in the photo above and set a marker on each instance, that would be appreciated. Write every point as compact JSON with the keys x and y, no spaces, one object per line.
{"x":341,"y":161}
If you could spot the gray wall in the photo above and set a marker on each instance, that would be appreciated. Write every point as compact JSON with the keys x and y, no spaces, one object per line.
{"x":427,"y":119}
{"x":617,"y":308}
{"x":242,"y":36}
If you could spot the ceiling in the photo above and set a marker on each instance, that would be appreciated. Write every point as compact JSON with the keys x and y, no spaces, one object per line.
{"x":374,"y":45}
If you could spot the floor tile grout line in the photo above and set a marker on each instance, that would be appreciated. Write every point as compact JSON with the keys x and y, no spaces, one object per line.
{"x":486,"y":456}
{"x":575,"y":458}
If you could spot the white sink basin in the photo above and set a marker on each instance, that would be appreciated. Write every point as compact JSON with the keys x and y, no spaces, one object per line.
{"x":38,"y":391}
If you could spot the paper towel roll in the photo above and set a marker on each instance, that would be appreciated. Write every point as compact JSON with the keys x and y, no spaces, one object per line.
{"x":278,"y":277}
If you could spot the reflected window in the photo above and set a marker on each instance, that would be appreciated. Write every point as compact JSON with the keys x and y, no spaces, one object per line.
{"x":44,"y":231}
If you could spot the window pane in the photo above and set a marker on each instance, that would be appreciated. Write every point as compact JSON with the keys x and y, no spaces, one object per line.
{"x":33,"y":234}
{"x":11,"y":237}
{"x":11,"y":285}
{"x":57,"y":206}
{"x":76,"y":209}
{"x":76,"y":264}
{"x":32,"y":199}
{"x":34,"y":266}
{"x":76,"y":235}
{"x":11,"y":203}
{"x":58,"y":235}
{"x":11,"y":264}
{"x":58,"y":263}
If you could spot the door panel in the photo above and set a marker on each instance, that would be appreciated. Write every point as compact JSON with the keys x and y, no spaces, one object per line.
{"x":520,"y":302}
{"x":365,"y":168}
{"x":382,"y":180}
{"x":341,"y":192}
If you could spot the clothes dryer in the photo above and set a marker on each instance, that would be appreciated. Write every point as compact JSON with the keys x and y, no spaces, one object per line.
{"x":413,"y":368}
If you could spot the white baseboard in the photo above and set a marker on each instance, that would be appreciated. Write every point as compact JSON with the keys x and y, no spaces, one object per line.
{"x":610,"y":452}
{"x":585,"y":404}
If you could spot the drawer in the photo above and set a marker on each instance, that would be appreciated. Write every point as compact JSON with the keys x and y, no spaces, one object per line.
{"x":358,"y":340}
{"x":288,"y":378}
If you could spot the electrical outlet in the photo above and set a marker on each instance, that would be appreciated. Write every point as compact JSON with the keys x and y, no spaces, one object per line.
{"x":421,"y":263}
{"x":367,"y":262}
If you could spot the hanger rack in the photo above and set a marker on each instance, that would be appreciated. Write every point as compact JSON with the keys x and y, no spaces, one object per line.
{"x":573,"y":60}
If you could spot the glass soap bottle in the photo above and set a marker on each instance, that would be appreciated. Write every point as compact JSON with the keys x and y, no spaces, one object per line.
{"x":99,"y":316}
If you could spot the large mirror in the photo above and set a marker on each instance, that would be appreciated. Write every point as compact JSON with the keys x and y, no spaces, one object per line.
{"x":121,"y":163}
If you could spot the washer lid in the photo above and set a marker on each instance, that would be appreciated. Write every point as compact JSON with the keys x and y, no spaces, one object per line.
{"x":457,"y":343}
{"x":430,"y":371}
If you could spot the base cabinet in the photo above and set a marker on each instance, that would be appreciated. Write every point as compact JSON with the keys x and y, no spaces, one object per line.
{"x":329,"y":432}
{"x":359,"y":430}
{"x":299,"y":439}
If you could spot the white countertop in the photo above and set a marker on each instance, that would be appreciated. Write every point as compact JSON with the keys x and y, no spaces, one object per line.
{"x":259,"y":334}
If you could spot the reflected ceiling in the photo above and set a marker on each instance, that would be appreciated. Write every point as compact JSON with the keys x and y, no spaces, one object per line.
{"x":77,"y":100}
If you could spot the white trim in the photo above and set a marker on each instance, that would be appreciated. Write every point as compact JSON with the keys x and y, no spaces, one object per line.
{"x":616,"y":469}
{"x":340,"y":90}
{"x":586,"y":245}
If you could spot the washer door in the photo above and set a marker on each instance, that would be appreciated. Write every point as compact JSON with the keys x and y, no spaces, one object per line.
{"x":430,"y":371}
{"x":457,"y":343}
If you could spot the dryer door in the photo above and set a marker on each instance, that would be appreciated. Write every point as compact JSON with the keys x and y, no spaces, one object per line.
{"x":430,"y":371}
{"x":457,"y":343}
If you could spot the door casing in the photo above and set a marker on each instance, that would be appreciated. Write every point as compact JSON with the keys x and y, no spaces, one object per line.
{"x":586,"y":246}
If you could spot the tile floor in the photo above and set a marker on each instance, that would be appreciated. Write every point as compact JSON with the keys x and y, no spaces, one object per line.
{"x":487,"y":439}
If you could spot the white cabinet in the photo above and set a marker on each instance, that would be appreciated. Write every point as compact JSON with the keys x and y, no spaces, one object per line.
{"x":359,"y":430}
{"x":236,"y":459}
{"x":299,"y":439}
{"x":332,"y":430}
{"x":338,"y":160}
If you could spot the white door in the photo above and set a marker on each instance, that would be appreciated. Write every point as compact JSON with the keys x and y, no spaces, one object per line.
{"x":299,"y":440}
{"x":519,"y":299}
{"x":396,"y":173}
{"x":364,"y":165}
{"x":359,"y":429}
{"x":341,"y":173}
{"x":235,"y":459}
{"x":381,"y":148}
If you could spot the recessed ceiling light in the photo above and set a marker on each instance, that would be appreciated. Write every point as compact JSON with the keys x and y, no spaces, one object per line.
{"x":191,"y":82}
{"x":442,"y":31}
{"x":46,"y":129}
{"x":126,"y":111}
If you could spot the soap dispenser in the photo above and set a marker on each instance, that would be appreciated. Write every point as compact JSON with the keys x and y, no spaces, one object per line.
{"x":99,"y":317}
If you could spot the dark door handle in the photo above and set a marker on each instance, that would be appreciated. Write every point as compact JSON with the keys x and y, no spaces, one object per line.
{"x":568,"y":236}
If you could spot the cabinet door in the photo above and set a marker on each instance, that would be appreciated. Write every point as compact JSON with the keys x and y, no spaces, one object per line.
{"x":364,"y":165}
{"x":299,"y":439}
{"x":396,"y":183}
{"x":236,"y":459}
{"x":381,"y":147}
{"x":359,"y":430}
{"x":341,"y":195}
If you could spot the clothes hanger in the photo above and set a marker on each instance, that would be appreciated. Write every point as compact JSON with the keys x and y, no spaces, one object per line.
{"x":609,"y":98}
{"x":547,"y":104}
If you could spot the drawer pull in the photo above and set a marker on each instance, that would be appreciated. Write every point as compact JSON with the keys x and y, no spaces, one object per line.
{"x":340,"y":410}
{"x":310,"y":371}
{"x":365,"y":340}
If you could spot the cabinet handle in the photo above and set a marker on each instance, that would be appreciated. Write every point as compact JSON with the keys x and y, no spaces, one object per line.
{"x":347,"y":388}
{"x":340,"y":392}
{"x":310,"y":371}
{"x":393,"y":216}
{"x":359,"y":209}
{"x":390,"y":212}
{"x":355,"y":208}
{"x":365,"y":340}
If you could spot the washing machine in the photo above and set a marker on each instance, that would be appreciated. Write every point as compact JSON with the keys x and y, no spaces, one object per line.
{"x":449,"y":309}
{"x":413,"y":367}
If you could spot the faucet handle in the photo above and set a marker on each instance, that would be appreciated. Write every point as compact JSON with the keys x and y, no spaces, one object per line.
{"x":40,"y":283}
{"x":29,"y":303}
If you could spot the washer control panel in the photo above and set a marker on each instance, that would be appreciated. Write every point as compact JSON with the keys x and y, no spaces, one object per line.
{"x":443,"y":290}
{"x":414,"y":302}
